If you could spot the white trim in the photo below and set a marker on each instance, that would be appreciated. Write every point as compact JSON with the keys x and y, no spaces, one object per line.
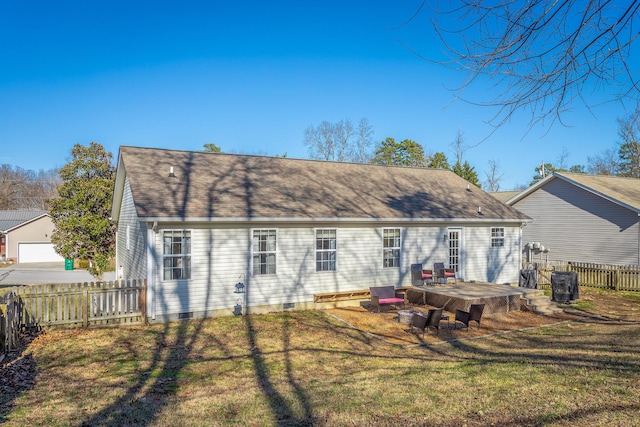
{"x":118,"y":188}
{"x":252,"y":252}
{"x":399,"y":247}
{"x":492,"y":238}
{"x":461,"y":260}
{"x":315,"y":249}
{"x":271,"y":220}
{"x":182,"y":254}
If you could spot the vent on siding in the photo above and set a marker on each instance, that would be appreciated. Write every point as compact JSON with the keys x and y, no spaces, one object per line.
{"x":183,"y":316}
{"x":288,"y":305}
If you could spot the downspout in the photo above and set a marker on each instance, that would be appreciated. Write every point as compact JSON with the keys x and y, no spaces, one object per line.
{"x":520,"y":266}
{"x":117,"y":258}
{"x":151,"y":270}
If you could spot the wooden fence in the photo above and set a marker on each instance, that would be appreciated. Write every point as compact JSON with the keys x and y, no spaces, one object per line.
{"x":9,"y":329}
{"x":617,"y":277}
{"x":73,"y":304}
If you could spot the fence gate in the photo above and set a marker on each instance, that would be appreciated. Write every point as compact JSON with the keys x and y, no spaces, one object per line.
{"x":9,"y":322}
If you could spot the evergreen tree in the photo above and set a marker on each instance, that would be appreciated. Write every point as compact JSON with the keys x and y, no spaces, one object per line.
{"x":438,"y":161}
{"x":466,"y":171}
{"x":629,"y":150}
{"x":211,"y":148}
{"x":404,"y":153}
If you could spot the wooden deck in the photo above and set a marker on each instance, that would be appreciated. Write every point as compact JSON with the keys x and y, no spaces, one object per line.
{"x":496,"y":297}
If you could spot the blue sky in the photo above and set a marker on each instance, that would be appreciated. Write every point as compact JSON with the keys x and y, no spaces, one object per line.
{"x":250,"y":77}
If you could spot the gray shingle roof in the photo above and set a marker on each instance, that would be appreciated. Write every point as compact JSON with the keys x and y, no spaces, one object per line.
{"x":12,"y":219}
{"x":224,"y":186}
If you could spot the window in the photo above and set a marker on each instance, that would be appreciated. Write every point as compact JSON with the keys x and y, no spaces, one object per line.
{"x":391,"y":247}
{"x":176,"y":254}
{"x":497,"y":237}
{"x":326,"y":250}
{"x":264,"y":252}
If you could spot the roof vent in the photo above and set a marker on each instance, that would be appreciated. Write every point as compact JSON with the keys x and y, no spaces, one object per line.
{"x":480,"y":210}
{"x":171,"y":174}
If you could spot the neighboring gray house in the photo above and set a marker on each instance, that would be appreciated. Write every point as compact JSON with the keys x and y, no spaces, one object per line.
{"x":583,"y":218}
{"x":25,"y":236}
{"x":503,"y":196}
{"x":195,"y":224}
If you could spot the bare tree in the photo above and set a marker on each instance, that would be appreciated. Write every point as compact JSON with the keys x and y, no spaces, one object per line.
{"x":364,"y":141}
{"x":26,"y":189}
{"x":459,"y":147}
{"x":562,"y":159}
{"x":339,"y":141}
{"x":603,"y":163}
{"x":541,"y":55}
{"x":494,"y":176}
{"x":629,"y":150}
{"x":8,"y":188}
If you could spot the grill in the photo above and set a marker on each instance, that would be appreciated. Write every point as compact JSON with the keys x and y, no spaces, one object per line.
{"x":528,"y":278}
{"x":564,"y":286}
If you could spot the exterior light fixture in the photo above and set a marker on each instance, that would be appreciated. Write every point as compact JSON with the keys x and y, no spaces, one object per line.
{"x":240,"y":284}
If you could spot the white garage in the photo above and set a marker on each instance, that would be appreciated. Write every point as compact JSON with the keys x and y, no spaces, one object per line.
{"x":37,"y":252}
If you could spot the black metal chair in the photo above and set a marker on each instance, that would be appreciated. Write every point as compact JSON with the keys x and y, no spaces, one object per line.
{"x":444,"y":273}
{"x":430,"y":320}
{"x":474,"y":314}
{"x":418,"y":274}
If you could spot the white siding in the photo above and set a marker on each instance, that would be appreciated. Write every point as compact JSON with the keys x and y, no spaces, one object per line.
{"x":487,"y":264}
{"x":131,"y":254}
{"x":579,"y":226}
{"x":222,"y":256}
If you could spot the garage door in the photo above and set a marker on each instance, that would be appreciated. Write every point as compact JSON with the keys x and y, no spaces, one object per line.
{"x":37,"y":252}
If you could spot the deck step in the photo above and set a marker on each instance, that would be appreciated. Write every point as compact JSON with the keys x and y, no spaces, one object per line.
{"x":540,"y":304}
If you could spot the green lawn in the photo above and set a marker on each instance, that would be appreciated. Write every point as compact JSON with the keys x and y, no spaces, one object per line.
{"x":306,"y":368}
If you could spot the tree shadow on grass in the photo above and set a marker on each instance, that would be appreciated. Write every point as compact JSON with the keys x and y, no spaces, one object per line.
{"x":282,"y":410}
{"x":17,"y":374}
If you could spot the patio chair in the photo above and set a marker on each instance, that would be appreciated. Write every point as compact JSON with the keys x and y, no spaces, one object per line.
{"x":444,"y":273}
{"x":474,"y":314}
{"x":418,"y":274}
{"x":430,"y":320}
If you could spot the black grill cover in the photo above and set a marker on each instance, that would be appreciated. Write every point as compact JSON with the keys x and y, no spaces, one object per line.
{"x":528,"y":279}
{"x":564,"y":286}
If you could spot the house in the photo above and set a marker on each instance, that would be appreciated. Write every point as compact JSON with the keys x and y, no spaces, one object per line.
{"x":583,"y":218}
{"x":25,"y":236}
{"x":215,"y":234}
{"x":503,"y":196}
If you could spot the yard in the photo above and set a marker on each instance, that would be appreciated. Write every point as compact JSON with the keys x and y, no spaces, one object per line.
{"x":311,"y":368}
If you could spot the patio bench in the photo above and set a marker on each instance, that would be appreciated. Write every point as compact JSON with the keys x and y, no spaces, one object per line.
{"x":385,"y":295}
